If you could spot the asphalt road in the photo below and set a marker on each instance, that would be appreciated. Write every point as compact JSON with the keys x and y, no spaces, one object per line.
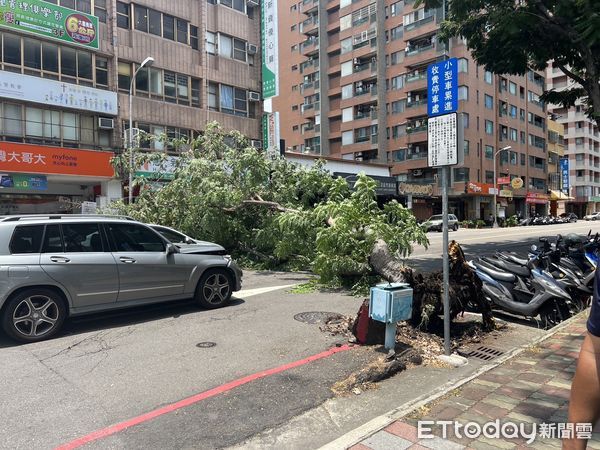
{"x":104,"y":370}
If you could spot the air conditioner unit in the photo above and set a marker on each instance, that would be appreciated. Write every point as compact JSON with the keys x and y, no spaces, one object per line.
{"x":252,"y":2}
{"x":106,"y":123}
{"x":251,"y":49}
{"x":256,"y":143}
{"x":253,"y":96}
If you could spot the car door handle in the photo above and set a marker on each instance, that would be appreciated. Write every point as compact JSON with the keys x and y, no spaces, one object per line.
{"x":127,"y":260}
{"x":60,"y":259}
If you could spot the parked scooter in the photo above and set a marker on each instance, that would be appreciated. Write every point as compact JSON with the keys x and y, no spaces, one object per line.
{"x":507,"y":291}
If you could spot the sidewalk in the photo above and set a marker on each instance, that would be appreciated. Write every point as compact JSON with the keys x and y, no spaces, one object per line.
{"x":531,"y":388}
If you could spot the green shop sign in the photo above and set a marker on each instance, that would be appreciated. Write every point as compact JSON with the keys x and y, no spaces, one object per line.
{"x":50,"y":21}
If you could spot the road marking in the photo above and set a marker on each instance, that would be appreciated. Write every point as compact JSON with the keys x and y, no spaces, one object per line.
{"x":251,"y":292}
{"x":116,"y":428}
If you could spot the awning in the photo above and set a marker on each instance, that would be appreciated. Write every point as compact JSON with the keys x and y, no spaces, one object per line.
{"x":558,"y":195}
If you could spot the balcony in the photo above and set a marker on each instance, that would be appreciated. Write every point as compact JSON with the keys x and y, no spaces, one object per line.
{"x":311,"y":108}
{"x":416,"y":103}
{"x":310,"y":46}
{"x":312,"y":63}
{"x":310,"y":6}
{"x":363,"y":90}
{"x":420,"y":49}
{"x":417,"y":128}
{"x":419,"y":23}
{"x":310,"y":26}
{"x":309,"y":85}
{"x":371,"y":113}
{"x":413,"y":77}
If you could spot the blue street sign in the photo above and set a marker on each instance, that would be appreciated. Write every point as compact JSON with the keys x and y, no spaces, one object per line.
{"x":564,"y":174}
{"x":442,"y":87}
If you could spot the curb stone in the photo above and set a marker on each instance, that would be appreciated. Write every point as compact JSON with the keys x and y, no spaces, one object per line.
{"x":364,"y":431}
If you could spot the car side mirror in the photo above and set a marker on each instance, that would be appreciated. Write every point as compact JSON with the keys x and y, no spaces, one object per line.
{"x":534,"y":248}
{"x":189,"y":241}
{"x":171,"y":248}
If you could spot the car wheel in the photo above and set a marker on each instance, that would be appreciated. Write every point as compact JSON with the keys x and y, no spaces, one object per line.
{"x":455,"y":227}
{"x":34,"y":315}
{"x":214,"y":288}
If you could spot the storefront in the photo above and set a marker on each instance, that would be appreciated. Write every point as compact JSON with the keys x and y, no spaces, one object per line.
{"x":558,"y":201}
{"x":418,"y":197}
{"x":537,"y":204}
{"x":37,"y":179}
{"x":480,"y":200}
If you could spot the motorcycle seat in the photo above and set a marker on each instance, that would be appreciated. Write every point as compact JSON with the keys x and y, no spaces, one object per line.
{"x":504,"y":265}
{"x":517,"y":260}
{"x":494,"y":273}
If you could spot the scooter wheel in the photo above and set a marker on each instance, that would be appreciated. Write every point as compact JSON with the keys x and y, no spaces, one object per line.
{"x":552,"y":313}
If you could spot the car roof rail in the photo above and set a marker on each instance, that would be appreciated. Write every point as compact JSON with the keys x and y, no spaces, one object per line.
{"x":63,"y":216}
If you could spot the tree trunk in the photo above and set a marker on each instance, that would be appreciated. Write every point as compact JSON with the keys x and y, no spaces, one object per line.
{"x":465,"y":287}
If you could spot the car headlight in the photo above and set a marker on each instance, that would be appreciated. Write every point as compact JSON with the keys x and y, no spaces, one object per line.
{"x":227,"y":257}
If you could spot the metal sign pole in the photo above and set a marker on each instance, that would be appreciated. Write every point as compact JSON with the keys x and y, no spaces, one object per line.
{"x":446,"y":264}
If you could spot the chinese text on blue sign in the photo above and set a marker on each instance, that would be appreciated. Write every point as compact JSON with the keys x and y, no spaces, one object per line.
{"x":564,"y":174}
{"x":442,"y":87}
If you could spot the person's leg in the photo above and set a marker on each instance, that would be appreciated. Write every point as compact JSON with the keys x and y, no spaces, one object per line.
{"x":584,"y":406}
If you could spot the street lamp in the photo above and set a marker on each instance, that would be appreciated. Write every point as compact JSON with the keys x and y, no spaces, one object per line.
{"x":147,"y":62}
{"x":508,"y":147}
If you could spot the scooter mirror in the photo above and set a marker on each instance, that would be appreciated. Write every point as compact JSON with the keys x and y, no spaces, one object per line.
{"x":534,"y":248}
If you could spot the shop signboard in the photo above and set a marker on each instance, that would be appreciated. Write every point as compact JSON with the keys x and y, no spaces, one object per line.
{"x":517,"y":183}
{"x":503,"y":180}
{"x":55,"y":93}
{"x":442,"y":87}
{"x":25,"y":182}
{"x":537,"y":199}
{"x":564,"y":175}
{"x":88,"y":207}
{"x":270,"y":48}
{"x":385,"y":185}
{"x":44,"y":19}
{"x":38,"y":159}
{"x":159,"y":170}
{"x":506,"y":193}
{"x":474,"y":187}
{"x":415,"y":189}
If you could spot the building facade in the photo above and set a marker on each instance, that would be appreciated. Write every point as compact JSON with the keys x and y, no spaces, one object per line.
{"x":65,"y":76}
{"x":353,"y":84}
{"x":582,"y":147}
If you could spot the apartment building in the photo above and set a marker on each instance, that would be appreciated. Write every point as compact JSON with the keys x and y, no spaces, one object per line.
{"x":582,"y":147}
{"x":65,"y":75}
{"x":353,"y":85}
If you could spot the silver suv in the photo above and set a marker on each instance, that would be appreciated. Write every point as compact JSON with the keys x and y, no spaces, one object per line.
{"x":52,"y":267}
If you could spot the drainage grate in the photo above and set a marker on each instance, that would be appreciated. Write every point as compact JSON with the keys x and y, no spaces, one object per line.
{"x":206,"y":344}
{"x":485,"y":353}
{"x":317,"y":317}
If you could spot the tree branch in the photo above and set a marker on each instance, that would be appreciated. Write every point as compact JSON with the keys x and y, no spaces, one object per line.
{"x":571,"y":74}
{"x":270,"y":205}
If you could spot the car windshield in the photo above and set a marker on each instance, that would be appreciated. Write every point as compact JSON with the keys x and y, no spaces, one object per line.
{"x":170,"y":235}
{"x":438,"y":217}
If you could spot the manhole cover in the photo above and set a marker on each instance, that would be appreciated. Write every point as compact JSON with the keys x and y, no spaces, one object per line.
{"x":317,"y":317}
{"x":206,"y":344}
{"x":485,"y":353}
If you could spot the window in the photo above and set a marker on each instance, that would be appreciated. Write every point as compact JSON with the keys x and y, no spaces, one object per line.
{"x":489,"y":177}
{"x":346,"y":68}
{"x":82,"y":237}
{"x":211,"y":43}
{"x":397,"y":82}
{"x":347,"y":91}
{"x":395,"y":9}
{"x":463,"y":65}
{"x":168,"y":27}
{"x":465,"y":120}
{"x":489,"y":152}
{"x":513,"y":111}
{"x":461,"y":174}
{"x":100,"y":10}
{"x":135,"y":238}
{"x":182,"y":31}
{"x":13,"y":123}
{"x":397,"y":58}
{"x":33,"y":122}
{"x":523,"y":137}
{"x":141,"y":18}
{"x":169,"y":79}
{"x":124,"y":74}
{"x":70,"y":126}
{"x":466,"y":147}
{"x":347,"y":114}
{"x":154,"y":22}
{"x":123,"y":13}
{"x":512,"y":88}
{"x":513,"y":135}
{"x":52,"y":240}
{"x":514,"y":158}
{"x":213,"y":96}
{"x":489,"y":127}
{"x":239,"y":50}
{"x":239,"y":5}
{"x":396,"y":33}
{"x":345,"y":22}
{"x":84,"y":65}
{"x":488,"y":77}
{"x":32,"y":55}
{"x":347,"y":137}
{"x":50,"y":57}
{"x":463,"y":93}
{"x":27,"y":239}
{"x":489,"y":101}
{"x":101,"y":71}
{"x":346,"y":45}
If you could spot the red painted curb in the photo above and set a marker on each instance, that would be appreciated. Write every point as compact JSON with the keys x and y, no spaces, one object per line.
{"x":104,"y":432}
